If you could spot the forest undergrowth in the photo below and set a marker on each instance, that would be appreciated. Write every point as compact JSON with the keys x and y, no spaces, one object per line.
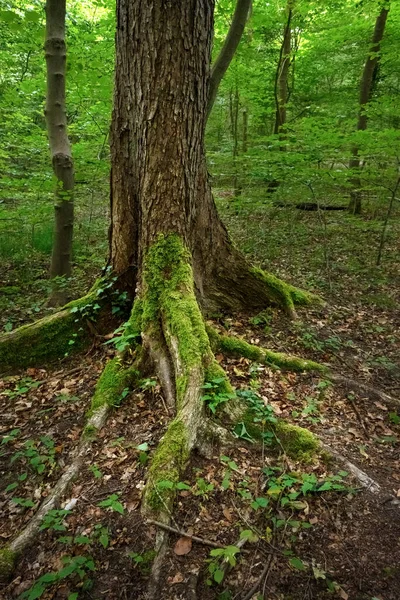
{"x":265,"y":520}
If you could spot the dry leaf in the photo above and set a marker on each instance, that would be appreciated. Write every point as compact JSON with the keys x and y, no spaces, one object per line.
{"x":183,"y":546}
{"x":228,"y":514}
{"x":178,"y":578}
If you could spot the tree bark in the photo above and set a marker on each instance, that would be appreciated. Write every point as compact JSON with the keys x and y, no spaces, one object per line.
{"x":281,"y":87}
{"x":56,"y":120}
{"x":228,"y":50}
{"x":282,"y":75}
{"x":367,"y":85}
{"x":159,"y":180}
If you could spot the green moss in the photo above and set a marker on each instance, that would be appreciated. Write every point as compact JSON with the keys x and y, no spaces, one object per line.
{"x":7,"y":563}
{"x":169,"y":461}
{"x":215,"y":371}
{"x":237,"y":347}
{"x":181,"y":387}
{"x":112,"y":382}
{"x":89,"y":432}
{"x":284,"y":294}
{"x":134,"y":325}
{"x":169,"y":293}
{"x":299,"y":443}
{"x":49,"y":337}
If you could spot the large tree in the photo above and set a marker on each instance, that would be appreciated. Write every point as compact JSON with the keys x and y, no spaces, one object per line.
{"x":168,"y":249}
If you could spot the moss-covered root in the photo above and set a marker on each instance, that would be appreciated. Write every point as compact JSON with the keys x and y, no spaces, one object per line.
{"x":235,"y":346}
{"x":7,"y":563}
{"x":49,"y":337}
{"x":171,"y":315}
{"x":298,"y":443}
{"x":284,"y":294}
{"x":115,"y":378}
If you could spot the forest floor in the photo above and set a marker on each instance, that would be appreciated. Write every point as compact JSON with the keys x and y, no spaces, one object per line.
{"x":310,"y":530}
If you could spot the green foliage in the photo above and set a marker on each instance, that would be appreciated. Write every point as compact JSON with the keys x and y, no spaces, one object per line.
{"x":74,"y":566}
{"x":216,"y":394}
{"x":39,"y":454}
{"x":112,"y":503}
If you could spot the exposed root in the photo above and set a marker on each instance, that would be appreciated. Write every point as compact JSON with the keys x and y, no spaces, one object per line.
{"x":365,"y":480}
{"x":50,"y":337}
{"x":235,"y":346}
{"x":238,"y":347}
{"x":284,"y":294}
{"x":364,"y":389}
{"x":114,"y":379}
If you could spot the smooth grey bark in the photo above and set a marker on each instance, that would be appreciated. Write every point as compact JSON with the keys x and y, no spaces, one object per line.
{"x":228,"y":50}
{"x":367,"y":85}
{"x":60,"y":148}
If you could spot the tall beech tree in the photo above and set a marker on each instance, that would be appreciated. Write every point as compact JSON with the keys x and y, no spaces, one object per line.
{"x":60,"y":148}
{"x":367,"y":86}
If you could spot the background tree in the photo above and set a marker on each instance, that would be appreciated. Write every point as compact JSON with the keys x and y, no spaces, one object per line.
{"x":56,"y":119}
{"x":368,"y":80}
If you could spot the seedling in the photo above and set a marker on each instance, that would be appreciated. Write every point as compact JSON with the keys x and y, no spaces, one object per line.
{"x":112,"y":503}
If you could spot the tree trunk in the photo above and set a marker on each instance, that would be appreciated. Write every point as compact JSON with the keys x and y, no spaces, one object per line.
{"x":56,"y":119}
{"x":281,"y":88}
{"x":159,"y":181}
{"x":241,"y":14}
{"x":367,"y":85}
{"x":282,"y":75}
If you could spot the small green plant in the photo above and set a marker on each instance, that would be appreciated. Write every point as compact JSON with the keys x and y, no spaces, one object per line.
{"x":123,"y":337}
{"x":143,"y":561}
{"x":203,"y":488}
{"x":262,"y":414}
{"x":148,"y":384}
{"x":112,"y":503}
{"x":55,"y":520}
{"x":11,"y":437}
{"x":231,"y":466}
{"x":216,"y":394}
{"x":74,"y":566}
{"x":394,"y":418}
{"x":23,"y":386}
{"x":40,"y":455}
{"x":95,"y":471}
{"x":24,"y":502}
{"x":215,"y":564}
{"x":143,"y":450}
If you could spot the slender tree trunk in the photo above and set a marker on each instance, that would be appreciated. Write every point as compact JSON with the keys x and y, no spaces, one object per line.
{"x":241,"y":14}
{"x":367,"y":85}
{"x":234,"y":116}
{"x":281,"y":87}
{"x":245,"y":130}
{"x":282,"y":75}
{"x":56,"y":119}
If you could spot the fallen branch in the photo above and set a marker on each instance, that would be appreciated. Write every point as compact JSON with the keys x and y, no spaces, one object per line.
{"x":183,"y":533}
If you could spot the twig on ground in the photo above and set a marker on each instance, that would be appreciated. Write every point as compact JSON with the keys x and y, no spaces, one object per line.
{"x":262,"y":580}
{"x":182,"y":533}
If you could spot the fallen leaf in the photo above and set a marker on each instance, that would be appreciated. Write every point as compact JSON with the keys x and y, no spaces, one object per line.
{"x":183,"y":546}
{"x":178,"y":578}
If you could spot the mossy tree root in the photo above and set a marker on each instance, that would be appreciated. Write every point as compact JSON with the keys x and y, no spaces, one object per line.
{"x":238,"y":347}
{"x":52,"y":336}
{"x":114,"y":379}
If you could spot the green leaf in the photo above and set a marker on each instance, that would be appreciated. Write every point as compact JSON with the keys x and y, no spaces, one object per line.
{"x":219,"y":575}
{"x":297,"y":563}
